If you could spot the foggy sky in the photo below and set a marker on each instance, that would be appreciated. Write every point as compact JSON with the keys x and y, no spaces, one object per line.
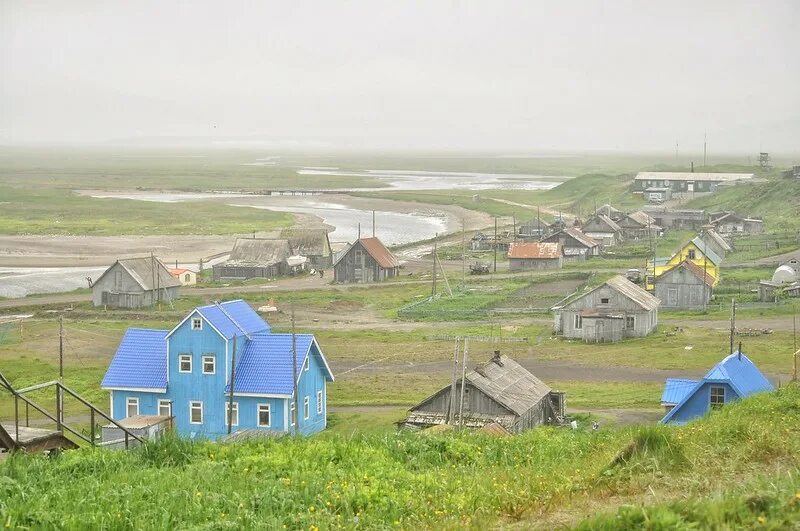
{"x":514,"y":76}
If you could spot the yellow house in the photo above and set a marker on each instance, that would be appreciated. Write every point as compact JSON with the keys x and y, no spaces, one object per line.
{"x":695,"y":251}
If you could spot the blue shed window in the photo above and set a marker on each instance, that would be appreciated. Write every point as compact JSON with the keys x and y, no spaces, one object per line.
{"x":717,"y":397}
{"x":264,"y":419}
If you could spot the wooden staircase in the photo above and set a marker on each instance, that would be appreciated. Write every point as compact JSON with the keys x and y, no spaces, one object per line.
{"x":20,"y":436}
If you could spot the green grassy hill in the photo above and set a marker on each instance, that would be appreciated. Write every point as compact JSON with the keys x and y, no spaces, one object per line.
{"x":738,"y":468}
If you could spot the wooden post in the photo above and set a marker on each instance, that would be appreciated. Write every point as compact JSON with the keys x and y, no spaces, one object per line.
{"x":230,"y":399}
{"x":463,"y":256}
{"x":59,"y":392}
{"x":463,"y":375}
{"x":433,"y":279}
{"x":16,"y":415}
{"x":451,"y":413}
{"x":733,"y":322}
{"x":91,"y":425}
{"x":495,"y":244}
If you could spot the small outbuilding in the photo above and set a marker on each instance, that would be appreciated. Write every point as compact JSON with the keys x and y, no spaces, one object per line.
{"x":534,"y":255}
{"x":314,"y":244}
{"x":186,"y":277}
{"x":481,"y":242}
{"x":367,"y":260}
{"x":499,"y":391}
{"x":603,"y":229}
{"x":638,"y":225}
{"x":734,"y":378}
{"x":732,"y":223}
{"x":533,"y":230}
{"x":135,"y":283}
{"x":610,"y":312}
{"x":255,"y":258}
{"x":685,"y":286}
{"x":575,"y":244}
{"x":716,"y":242}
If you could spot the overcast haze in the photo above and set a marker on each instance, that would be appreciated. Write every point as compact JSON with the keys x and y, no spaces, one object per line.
{"x":514,"y":76}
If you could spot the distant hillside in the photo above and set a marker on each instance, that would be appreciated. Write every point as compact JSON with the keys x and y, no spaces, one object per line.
{"x":584,"y":192}
{"x":738,"y":468}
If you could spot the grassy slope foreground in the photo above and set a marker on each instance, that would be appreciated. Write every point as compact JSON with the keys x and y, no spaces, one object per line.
{"x":737,"y":468}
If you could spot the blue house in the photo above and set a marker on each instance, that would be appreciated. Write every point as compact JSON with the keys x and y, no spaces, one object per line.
{"x":186,"y":373}
{"x":733,"y":378}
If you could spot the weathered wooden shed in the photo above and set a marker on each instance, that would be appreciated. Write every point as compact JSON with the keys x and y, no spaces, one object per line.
{"x":314,"y":244}
{"x":498,"y":391}
{"x":685,"y":286}
{"x":575,"y":244}
{"x":610,"y":312}
{"x":716,"y":242}
{"x":732,"y":223}
{"x":367,"y":260}
{"x":533,"y":230}
{"x":255,"y":258}
{"x":638,"y":225}
{"x":481,"y":242}
{"x":534,"y":255}
{"x":135,"y":283}
{"x":603,"y":229}
{"x":673,"y":218}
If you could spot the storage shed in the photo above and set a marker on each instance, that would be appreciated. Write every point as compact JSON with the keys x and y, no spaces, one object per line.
{"x":135,"y":283}
{"x":575,"y":244}
{"x":367,"y":260}
{"x":498,"y":391}
{"x":614,"y":310}
{"x":534,"y":255}
{"x":314,"y":244}
{"x":685,"y":286}
{"x":533,"y":230}
{"x":603,"y":229}
{"x":255,"y":258}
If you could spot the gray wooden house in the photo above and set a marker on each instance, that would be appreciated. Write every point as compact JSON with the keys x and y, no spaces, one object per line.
{"x":716,"y":242}
{"x":314,"y":244}
{"x":575,"y":244}
{"x":135,"y":283}
{"x":534,"y":255}
{"x":732,"y":223}
{"x":603,"y":229}
{"x":255,"y":258}
{"x":498,"y":391}
{"x":533,"y":230}
{"x":638,"y":225}
{"x":674,"y":218}
{"x":367,"y":260}
{"x":685,"y":286}
{"x":481,"y":242}
{"x":610,"y":312}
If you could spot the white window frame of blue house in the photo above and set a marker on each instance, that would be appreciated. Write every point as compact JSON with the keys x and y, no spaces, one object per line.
{"x":263,"y":408}
{"x":185,"y":358}
{"x":306,"y":408}
{"x":195,"y":404}
{"x":197,"y":323}
{"x":210,"y":358}
{"x":165,"y":404}
{"x":319,"y":402}
{"x":306,"y":365}
{"x":292,"y":414}
{"x":131,"y":401}
{"x":711,"y":396}
{"x":235,"y":416}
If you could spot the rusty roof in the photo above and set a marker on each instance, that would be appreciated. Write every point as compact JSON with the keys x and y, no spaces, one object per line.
{"x":379,"y":252}
{"x":543,"y":250}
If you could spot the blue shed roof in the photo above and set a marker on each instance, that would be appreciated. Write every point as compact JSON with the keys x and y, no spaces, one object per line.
{"x":140,"y":361}
{"x":266,"y":364}
{"x":676,"y":389}
{"x":231,"y":318}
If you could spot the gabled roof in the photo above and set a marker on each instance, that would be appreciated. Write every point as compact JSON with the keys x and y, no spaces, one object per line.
{"x":266,"y":367}
{"x":676,"y":389}
{"x":509,"y":383}
{"x":690,"y":176}
{"x":308,"y":242}
{"x":577,"y":235}
{"x":602,"y":219}
{"x":643,"y":218}
{"x":706,"y":250}
{"x":703,"y":275}
{"x":148,"y":272}
{"x":377,"y":251}
{"x":736,"y":370}
{"x":257,"y":252}
{"x":233,"y":318}
{"x":624,"y":287}
{"x":716,"y":238}
{"x":534,"y":223}
{"x":535,"y":250}
{"x":140,"y":361}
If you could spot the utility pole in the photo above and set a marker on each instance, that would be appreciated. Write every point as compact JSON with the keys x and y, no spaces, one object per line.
{"x":794,"y":340}
{"x":733,"y":322}
{"x":495,"y":244}
{"x":463,"y":255}
{"x":59,"y":389}
{"x":463,"y":376}
{"x":451,"y":410}
{"x":704,"y":150}
{"x":514,"y":225}
{"x":373,"y":223}
{"x":539,"y":223}
{"x":294,"y":373}
{"x":233,"y":381}
{"x":433,"y":279}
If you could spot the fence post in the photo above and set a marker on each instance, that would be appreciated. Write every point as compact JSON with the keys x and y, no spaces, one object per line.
{"x":27,"y":415}
{"x":16,"y":415}
{"x":91,"y":429}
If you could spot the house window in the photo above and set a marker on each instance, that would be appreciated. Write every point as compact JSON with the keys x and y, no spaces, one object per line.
{"x":692,"y":254}
{"x":195,"y":412}
{"x":197,"y":323}
{"x":319,"y":402}
{"x":235,"y":413}
{"x":717,"y":396}
{"x":305,"y":365}
{"x":578,"y":322}
{"x":630,"y":322}
{"x":306,"y":408}
{"x":185,"y":363}
{"x":292,"y":415}
{"x":132,"y":408}
{"x":263,"y":416}
{"x":209,"y":365}
{"x":604,"y":300}
{"x":165,"y":408}
{"x":187,"y":278}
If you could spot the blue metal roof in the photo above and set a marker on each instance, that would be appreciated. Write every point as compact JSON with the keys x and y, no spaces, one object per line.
{"x":234,"y":318}
{"x":266,"y":364}
{"x":676,"y":389}
{"x":140,"y":361}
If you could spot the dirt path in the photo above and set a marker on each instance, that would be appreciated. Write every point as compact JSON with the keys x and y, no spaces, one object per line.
{"x":769,"y":260}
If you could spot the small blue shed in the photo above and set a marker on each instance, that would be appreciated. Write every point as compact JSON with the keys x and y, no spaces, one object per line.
{"x":186,"y":373}
{"x":733,"y":378}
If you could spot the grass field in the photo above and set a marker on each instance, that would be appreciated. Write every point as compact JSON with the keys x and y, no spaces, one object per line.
{"x":733,"y":469}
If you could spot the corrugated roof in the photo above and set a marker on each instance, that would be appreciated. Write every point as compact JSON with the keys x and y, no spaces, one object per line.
{"x":701,"y":274}
{"x":140,"y":361}
{"x":256,"y":252}
{"x":719,"y":240}
{"x":690,"y":176}
{"x":308,"y":242}
{"x":142,"y":271}
{"x":139,"y":421}
{"x":633,"y":292}
{"x":706,"y":250}
{"x":642,"y":218}
{"x":379,"y":252}
{"x":265,"y":366}
{"x":604,"y":220}
{"x":509,"y":383}
{"x":579,"y":236}
{"x":534,"y":250}
{"x":676,"y":389}
{"x":234,"y":318}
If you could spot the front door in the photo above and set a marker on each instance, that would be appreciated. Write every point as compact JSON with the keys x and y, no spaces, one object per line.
{"x":599,"y":330}
{"x":672,"y":297}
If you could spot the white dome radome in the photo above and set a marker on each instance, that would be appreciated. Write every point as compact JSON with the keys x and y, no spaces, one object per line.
{"x":784,"y":274}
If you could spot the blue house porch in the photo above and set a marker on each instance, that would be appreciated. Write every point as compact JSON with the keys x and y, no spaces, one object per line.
{"x":186,"y":372}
